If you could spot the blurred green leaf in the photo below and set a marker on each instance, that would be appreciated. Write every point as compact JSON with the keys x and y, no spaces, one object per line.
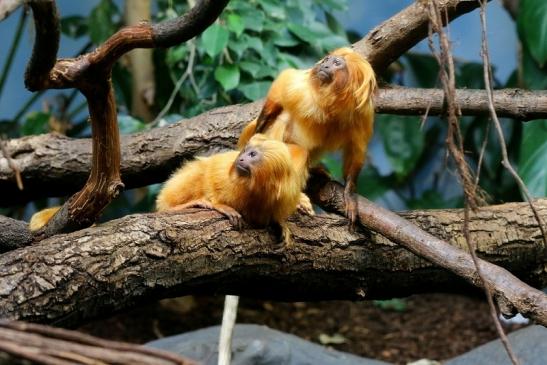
{"x":424,"y":67}
{"x":470,"y":75}
{"x":250,"y":67}
{"x":228,"y":76}
{"x":176,"y":54}
{"x":396,"y":304}
{"x":235,"y":24}
{"x":533,"y":157}
{"x":318,"y":34}
{"x":532,"y":27}
{"x":254,"y":20}
{"x":273,"y":8}
{"x":36,"y":123}
{"x":128,"y":124}
{"x":535,"y":77}
{"x":255,"y":90}
{"x":74,"y":26}
{"x":214,"y":39}
{"x":100,"y":22}
{"x":403,"y":141}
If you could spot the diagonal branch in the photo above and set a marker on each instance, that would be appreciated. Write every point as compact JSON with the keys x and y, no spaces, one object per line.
{"x":511,"y":294}
{"x":388,"y":41}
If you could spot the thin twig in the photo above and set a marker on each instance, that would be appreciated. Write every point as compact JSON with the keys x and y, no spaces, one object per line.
{"x":187,"y":73}
{"x":505,"y":158}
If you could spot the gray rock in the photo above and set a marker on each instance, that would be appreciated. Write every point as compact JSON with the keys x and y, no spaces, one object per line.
{"x":529,"y":345}
{"x":257,"y":345}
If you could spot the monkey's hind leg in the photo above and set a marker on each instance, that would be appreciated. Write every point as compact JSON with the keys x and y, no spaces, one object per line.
{"x":233,"y":216}
{"x":284,"y":233}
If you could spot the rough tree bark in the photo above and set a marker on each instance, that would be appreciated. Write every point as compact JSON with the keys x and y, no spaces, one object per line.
{"x":71,"y":277}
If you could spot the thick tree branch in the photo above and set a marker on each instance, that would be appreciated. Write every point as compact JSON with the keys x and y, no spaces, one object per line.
{"x":74,"y":276}
{"x":388,"y":41}
{"x":53,"y":165}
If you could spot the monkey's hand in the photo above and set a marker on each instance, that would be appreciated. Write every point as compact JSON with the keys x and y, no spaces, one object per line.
{"x":351,"y":204}
{"x":304,"y":205}
{"x":233,"y":216}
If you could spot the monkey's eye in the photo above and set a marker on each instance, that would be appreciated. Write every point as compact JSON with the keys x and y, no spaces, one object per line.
{"x":252,"y":153}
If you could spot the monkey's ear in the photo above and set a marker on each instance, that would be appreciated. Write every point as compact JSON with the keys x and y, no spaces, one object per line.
{"x":299,"y":156}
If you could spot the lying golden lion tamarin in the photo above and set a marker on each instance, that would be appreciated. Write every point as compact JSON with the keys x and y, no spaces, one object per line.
{"x":261,"y":183}
{"x":325,"y":108}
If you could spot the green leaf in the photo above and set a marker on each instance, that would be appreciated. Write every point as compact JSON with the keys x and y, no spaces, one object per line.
{"x":534,"y":76}
{"x":128,"y":124}
{"x":470,"y":75}
{"x":254,"y":20}
{"x":100,"y":22}
{"x":228,"y":76}
{"x":176,"y":54}
{"x":396,"y":304}
{"x":274,"y":9}
{"x":74,"y":26}
{"x":533,"y":157}
{"x":424,"y":67}
{"x":532,"y":27}
{"x":251,"y":68}
{"x":235,"y":24}
{"x":36,"y":123}
{"x":403,"y":141}
{"x":255,"y":90}
{"x":214,"y":39}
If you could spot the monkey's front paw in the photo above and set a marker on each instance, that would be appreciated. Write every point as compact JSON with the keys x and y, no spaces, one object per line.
{"x":304,"y":205}
{"x":236,"y":220}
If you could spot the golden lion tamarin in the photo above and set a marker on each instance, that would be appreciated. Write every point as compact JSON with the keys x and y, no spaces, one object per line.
{"x":261,"y":183}
{"x":326,"y":108}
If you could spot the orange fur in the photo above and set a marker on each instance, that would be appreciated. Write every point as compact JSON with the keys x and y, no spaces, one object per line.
{"x":322,"y":117}
{"x":269,"y":195}
{"x":39,"y":219}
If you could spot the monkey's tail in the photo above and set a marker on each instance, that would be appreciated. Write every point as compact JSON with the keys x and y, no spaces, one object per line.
{"x":227,"y":329}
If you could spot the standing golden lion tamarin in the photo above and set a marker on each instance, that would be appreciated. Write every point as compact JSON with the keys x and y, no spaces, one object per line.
{"x":261,"y":183}
{"x":326,"y":108}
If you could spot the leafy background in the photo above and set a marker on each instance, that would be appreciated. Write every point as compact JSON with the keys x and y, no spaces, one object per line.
{"x":235,"y":60}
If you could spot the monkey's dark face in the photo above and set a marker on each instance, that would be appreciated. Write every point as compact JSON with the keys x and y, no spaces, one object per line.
{"x":247,"y":159}
{"x":327,"y":68}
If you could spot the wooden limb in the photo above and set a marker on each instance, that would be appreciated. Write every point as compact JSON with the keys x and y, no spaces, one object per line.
{"x":53,"y":165}
{"x":509,"y":103}
{"x":511,"y":294}
{"x":46,"y":44}
{"x":49,"y":345}
{"x":172,"y":32}
{"x":77,"y":276}
{"x":14,"y":234}
{"x":385,"y":43}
